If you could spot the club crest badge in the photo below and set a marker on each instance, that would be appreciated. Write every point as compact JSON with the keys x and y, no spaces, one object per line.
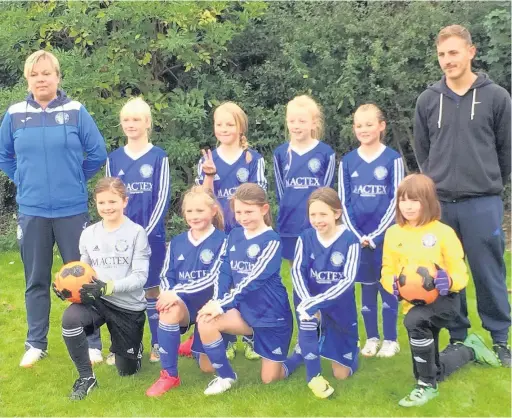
{"x":146,"y":171}
{"x":61,"y":118}
{"x":242,"y":175}
{"x":121,"y":245}
{"x":314,"y":165}
{"x":206,"y":256}
{"x":337,"y":259}
{"x":429,"y":240}
{"x":253,"y":251}
{"x":380,"y":172}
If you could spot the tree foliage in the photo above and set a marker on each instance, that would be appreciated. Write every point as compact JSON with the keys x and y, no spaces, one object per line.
{"x":186,"y":57}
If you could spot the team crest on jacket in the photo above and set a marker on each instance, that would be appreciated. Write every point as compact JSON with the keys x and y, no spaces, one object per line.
{"x":253,"y":251}
{"x":121,"y":245}
{"x":242,"y":175}
{"x":146,"y":171}
{"x":206,"y":256}
{"x":61,"y":118}
{"x":380,"y":172}
{"x":429,"y":240}
{"x":314,"y":165}
{"x":337,"y":259}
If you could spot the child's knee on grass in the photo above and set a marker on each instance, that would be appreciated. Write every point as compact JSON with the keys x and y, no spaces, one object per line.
{"x":340,"y":372}
{"x":126,"y":366}
{"x":271,"y":371}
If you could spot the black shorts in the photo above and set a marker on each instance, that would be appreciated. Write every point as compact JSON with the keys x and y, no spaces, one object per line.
{"x":126,"y":327}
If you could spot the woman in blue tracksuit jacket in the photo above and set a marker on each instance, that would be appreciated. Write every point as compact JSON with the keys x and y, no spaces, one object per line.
{"x":43,"y":141}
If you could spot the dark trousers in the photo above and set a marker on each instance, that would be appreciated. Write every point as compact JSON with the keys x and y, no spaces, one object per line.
{"x":36,"y":238}
{"x":423,"y":324}
{"x":477,"y":223}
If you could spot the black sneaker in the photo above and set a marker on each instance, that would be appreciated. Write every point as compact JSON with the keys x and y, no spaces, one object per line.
{"x":82,"y":387}
{"x":503,"y":353}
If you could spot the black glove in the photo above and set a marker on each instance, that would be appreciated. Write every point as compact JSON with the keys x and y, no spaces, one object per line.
{"x":90,"y":292}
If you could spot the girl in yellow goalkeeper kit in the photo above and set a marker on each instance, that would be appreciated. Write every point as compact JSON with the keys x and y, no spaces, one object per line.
{"x":418,"y":238}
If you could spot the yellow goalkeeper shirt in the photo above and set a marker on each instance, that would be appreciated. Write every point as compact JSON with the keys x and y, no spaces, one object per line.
{"x":434,"y":242}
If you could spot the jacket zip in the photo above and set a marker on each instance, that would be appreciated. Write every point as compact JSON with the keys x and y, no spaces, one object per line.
{"x":46,"y":161}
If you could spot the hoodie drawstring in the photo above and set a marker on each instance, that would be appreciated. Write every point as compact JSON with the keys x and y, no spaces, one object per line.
{"x":64,"y":126}
{"x":440,"y":110}
{"x":473,"y":104}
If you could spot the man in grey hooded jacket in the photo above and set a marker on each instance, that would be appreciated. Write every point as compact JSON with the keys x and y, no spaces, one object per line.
{"x":462,"y":141}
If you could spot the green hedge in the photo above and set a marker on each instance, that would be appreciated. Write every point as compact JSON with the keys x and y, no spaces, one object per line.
{"x":186,"y":57}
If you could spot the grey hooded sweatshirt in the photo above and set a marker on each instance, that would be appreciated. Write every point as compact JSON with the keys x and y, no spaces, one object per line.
{"x":463,"y":142}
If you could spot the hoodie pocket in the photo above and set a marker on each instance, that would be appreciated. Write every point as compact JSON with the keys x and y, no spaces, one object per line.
{"x":81,"y":178}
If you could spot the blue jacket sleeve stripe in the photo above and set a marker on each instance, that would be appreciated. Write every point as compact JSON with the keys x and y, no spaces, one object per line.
{"x":329,"y":173}
{"x":298,"y":281}
{"x":279,"y":178}
{"x":163,"y":197}
{"x":206,"y":281}
{"x":164,"y":281}
{"x":266,"y":256}
{"x":389,"y":216}
{"x":342,"y":192}
{"x":312,"y":305}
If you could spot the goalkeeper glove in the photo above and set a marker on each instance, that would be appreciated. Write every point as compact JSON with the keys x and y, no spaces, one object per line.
{"x":396,"y":292}
{"x":442,"y":281}
{"x":90,"y":292}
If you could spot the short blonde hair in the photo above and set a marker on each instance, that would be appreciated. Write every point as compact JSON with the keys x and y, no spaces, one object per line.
{"x":422,"y":188}
{"x":34,"y":58}
{"x":454,"y":30}
{"x":137,"y":106}
{"x":315,"y":111}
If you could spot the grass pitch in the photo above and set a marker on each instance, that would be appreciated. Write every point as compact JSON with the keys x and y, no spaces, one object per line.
{"x":374,"y":390}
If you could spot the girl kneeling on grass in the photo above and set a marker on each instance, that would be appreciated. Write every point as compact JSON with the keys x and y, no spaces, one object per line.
{"x":250,"y":298}
{"x":118,"y":250}
{"x":324,"y":269}
{"x":144,"y":168}
{"x":190,"y":269}
{"x":417,"y":237}
{"x":224,"y":169}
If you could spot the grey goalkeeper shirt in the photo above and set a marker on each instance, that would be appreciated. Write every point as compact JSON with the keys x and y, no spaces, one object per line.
{"x":122,"y":256}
